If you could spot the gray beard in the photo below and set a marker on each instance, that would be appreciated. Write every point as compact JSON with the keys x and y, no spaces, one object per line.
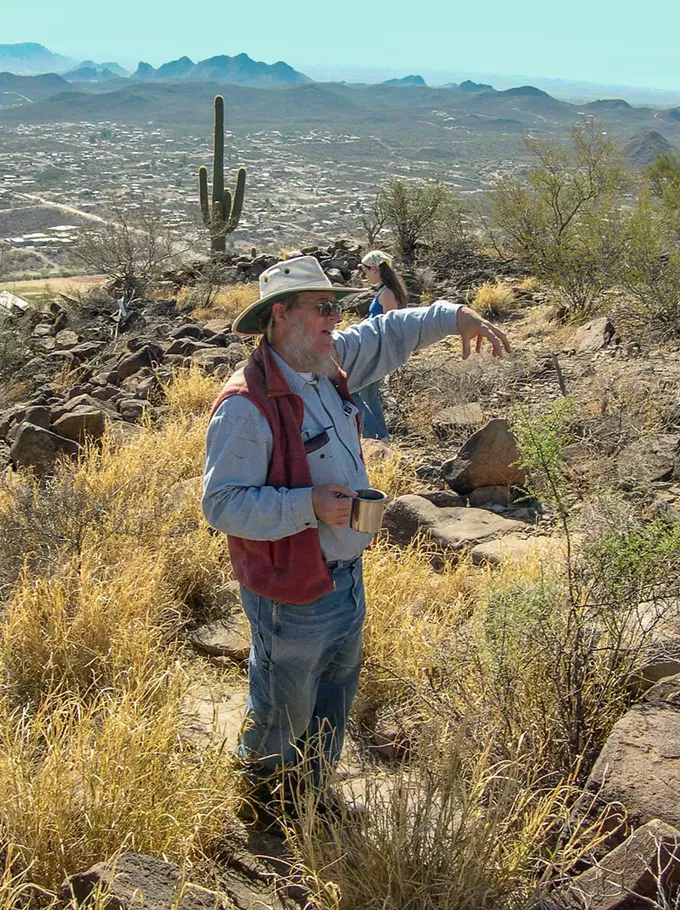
{"x":309,"y":361}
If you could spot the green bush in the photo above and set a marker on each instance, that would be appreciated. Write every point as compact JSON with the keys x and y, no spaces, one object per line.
{"x":565,"y":225}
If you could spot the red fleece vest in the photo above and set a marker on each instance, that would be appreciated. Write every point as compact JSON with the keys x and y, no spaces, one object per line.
{"x":290,"y":570}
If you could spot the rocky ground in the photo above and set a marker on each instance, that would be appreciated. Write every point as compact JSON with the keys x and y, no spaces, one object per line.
{"x":91,"y":367}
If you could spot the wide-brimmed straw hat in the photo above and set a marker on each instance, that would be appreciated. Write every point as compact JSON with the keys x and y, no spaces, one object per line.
{"x":283,"y":280}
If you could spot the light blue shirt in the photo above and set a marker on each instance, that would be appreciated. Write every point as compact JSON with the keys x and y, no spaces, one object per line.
{"x":236,"y":498}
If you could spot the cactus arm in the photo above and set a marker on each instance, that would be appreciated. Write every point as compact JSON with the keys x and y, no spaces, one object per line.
{"x":226,"y":210}
{"x":237,"y":205}
{"x":203,"y":194}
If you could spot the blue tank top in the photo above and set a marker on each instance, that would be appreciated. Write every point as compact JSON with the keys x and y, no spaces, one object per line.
{"x":376,"y":308}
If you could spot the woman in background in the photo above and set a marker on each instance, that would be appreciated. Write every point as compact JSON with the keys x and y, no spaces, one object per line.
{"x":390,"y":294}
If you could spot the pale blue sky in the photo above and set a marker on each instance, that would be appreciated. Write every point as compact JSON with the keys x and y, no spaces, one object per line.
{"x":596,"y":40}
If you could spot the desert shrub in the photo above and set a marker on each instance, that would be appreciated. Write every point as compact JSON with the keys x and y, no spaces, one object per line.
{"x":132,"y":248}
{"x":664,"y":181}
{"x":650,"y":268}
{"x":565,"y":224}
{"x":450,"y":830}
{"x":423,"y":215}
{"x":494,"y":300}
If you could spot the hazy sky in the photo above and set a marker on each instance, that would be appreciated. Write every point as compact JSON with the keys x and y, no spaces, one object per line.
{"x":596,"y":40}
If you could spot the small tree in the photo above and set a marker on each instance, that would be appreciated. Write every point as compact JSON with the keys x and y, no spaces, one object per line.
{"x":650,"y":269}
{"x":565,"y":225}
{"x":131,"y":248}
{"x":411,"y":211}
{"x":374,"y":221}
{"x":664,"y":182}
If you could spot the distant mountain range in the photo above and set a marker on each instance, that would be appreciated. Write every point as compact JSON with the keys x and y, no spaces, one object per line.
{"x":34,"y":59}
{"x":405,"y":80}
{"x":240,"y":70}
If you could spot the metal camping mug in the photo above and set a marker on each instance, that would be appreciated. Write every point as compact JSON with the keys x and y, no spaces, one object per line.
{"x":367,"y":511}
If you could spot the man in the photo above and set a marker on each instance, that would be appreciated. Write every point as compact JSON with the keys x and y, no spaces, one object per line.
{"x":283,"y":461}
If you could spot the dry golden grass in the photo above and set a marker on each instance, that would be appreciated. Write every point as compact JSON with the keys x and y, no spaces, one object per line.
{"x":226,"y":303}
{"x":389,"y":474}
{"x":494,"y":300}
{"x":93,"y":677}
{"x":412,"y":610}
{"x":530,"y":283}
{"x":92,"y":683}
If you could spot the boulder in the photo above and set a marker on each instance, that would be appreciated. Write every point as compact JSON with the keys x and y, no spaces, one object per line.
{"x":644,"y":868}
{"x":651,"y":459}
{"x":488,"y":458}
{"x":450,"y":528}
{"x":210,"y":359}
{"x":38,"y":449}
{"x":80,"y":424}
{"x":149,"y":355}
{"x":190,"y":330}
{"x":639,"y":765}
{"x":216,"y":327}
{"x":454,"y":419}
{"x":132,"y":409}
{"x":593,"y":336}
{"x":66,"y":339}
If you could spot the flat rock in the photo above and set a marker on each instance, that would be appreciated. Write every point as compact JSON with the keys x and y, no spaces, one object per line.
{"x":630,"y":877}
{"x":228,"y":637}
{"x":451,"y":528}
{"x":488,"y":458}
{"x":213,"y":716}
{"x":639,"y":765}
{"x":133,"y":880}
{"x":593,"y":336}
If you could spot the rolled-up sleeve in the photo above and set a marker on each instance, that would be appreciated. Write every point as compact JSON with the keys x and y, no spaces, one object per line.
{"x":375,"y":347}
{"x":236,"y":498}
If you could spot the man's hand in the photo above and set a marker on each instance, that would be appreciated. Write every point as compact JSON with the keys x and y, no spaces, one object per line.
{"x":332,"y":504}
{"x":472,"y":326}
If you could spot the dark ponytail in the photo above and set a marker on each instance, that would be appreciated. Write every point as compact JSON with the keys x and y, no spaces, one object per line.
{"x":393,"y":282}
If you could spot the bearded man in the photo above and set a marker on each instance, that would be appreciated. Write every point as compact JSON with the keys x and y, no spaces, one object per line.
{"x":283,"y":463}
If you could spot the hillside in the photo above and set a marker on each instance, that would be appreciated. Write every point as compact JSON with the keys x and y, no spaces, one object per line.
{"x":18,"y":90}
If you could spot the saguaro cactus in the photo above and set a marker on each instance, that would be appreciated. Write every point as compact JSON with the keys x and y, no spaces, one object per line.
{"x":223,"y":215}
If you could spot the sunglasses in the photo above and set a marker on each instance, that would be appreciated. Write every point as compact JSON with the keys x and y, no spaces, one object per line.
{"x":326,"y":307}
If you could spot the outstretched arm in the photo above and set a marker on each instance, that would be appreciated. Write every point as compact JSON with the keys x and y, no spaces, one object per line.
{"x":373,"y":348}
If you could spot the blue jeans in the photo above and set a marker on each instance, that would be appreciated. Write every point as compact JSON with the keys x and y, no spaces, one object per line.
{"x":303,"y":673}
{"x":371,"y":412}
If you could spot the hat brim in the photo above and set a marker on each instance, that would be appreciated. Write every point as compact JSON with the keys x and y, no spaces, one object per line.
{"x":250,"y":321}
